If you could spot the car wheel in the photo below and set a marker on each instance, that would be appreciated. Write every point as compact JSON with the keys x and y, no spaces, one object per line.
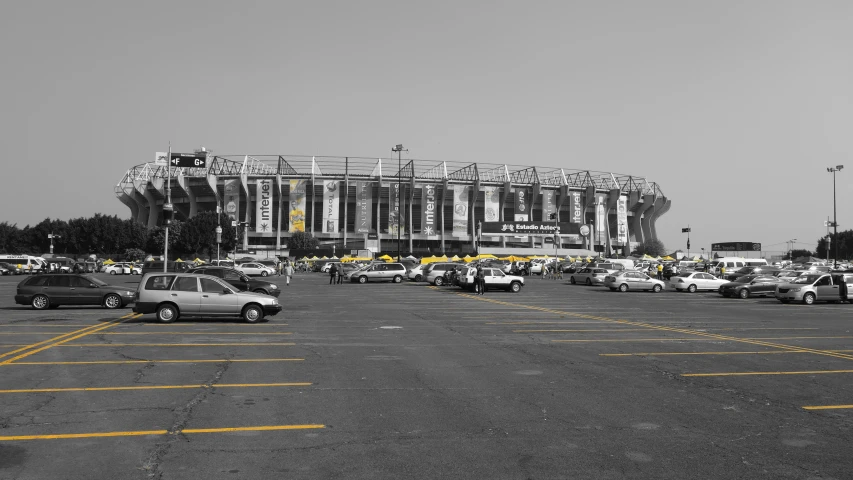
{"x":623,"y":288}
{"x":439,"y":281}
{"x":808,"y":298}
{"x":112,"y":301}
{"x":418,"y":278}
{"x":657,"y":288}
{"x":398,"y":279}
{"x":743,"y":293}
{"x":362,"y":279}
{"x":691,"y":289}
{"x":588,"y":282}
{"x":253,"y":314}
{"x":260,"y":290}
{"x":40,"y":302}
{"x":515,"y":287}
{"x":572,"y":280}
{"x":264,"y":273}
{"x":112,"y":272}
{"x":167,"y":313}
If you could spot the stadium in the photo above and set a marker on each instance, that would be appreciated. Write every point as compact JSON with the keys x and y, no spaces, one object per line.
{"x":428,"y":206}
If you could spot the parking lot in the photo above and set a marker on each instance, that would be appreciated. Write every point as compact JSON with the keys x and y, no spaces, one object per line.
{"x":416,"y":381}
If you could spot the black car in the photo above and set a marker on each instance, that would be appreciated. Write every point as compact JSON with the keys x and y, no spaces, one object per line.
{"x":759,"y":270}
{"x":749,"y":285}
{"x":239,"y":280}
{"x":52,"y":290}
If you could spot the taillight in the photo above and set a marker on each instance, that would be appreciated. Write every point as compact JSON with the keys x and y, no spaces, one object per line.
{"x":680,"y":280}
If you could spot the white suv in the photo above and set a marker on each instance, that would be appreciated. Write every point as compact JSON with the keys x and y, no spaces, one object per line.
{"x":495,"y":279}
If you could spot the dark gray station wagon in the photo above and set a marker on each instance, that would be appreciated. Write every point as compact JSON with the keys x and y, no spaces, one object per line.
{"x":52,"y":290}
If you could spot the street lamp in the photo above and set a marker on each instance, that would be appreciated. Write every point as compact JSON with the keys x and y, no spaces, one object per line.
{"x":791,"y":250}
{"x":399,"y":150}
{"x":51,"y":237}
{"x":837,"y":168}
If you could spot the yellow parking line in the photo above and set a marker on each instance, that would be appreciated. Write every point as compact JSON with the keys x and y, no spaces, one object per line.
{"x":658,"y":354}
{"x":585,"y":330}
{"x":63,"y":436}
{"x":44,"y":345}
{"x":624,"y":340}
{"x":158,"y":387}
{"x":271,"y":344}
{"x":124,"y":362}
{"x":198,"y":333}
{"x":827,"y":407}
{"x":744,"y":374}
{"x":541,"y":323}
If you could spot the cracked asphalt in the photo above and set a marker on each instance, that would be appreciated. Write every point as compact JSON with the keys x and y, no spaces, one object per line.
{"x":410,"y":381}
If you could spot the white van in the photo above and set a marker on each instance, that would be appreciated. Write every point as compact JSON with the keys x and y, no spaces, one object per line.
{"x":626,"y":263}
{"x":26,"y":263}
{"x":734,"y":263}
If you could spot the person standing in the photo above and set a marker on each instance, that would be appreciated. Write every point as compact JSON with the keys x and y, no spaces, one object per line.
{"x":723,"y":272}
{"x":288,"y":272}
{"x":481,"y":280}
{"x":842,"y":287}
{"x":333,"y":273}
{"x":340,"y":273}
{"x":660,"y":271}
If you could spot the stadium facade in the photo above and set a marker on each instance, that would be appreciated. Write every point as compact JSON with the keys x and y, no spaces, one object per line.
{"x":438,"y":206}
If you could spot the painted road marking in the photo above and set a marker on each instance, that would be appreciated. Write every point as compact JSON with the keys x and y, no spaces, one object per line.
{"x":263,"y":428}
{"x":827,"y":407}
{"x":584,"y":330}
{"x":159,"y":387}
{"x":285,"y":344}
{"x":657,"y":354}
{"x":59,"y":340}
{"x":125,"y":362}
{"x":745,"y":374}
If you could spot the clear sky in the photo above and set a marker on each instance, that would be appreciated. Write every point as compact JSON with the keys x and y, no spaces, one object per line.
{"x":735,"y":108}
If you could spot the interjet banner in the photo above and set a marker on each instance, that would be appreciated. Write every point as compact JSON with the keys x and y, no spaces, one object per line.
{"x":575,"y":207}
{"x":232,"y":199}
{"x":331,"y":200}
{"x":263,"y":206}
{"x":549,"y":204}
{"x":395,"y":209}
{"x":522,"y":205}
{"x":429,"y":212}
{"x":492,"y":203}
{"x":600,"y":213}
{"x":363,"y":207}
{"x":622,"y":220}
{"x":297,"y":206}
{"x":460,"y":210}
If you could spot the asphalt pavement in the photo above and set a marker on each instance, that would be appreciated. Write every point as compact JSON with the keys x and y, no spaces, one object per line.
{"x":392,"y":381}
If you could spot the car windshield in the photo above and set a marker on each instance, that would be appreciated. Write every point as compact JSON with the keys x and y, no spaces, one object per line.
{"x":745,"y":279}
{"x":745,"y":270}
{"x":805,"y":279}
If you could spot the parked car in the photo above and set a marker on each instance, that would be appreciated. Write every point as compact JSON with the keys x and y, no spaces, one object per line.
{"x":434,"y":272}
{"x":51,"y":290}
{"x":495,"y":279}
{"x":171,"y":266}
{"x":4,"y":270}
{"x":254,"y":268}
{"x":11,"y":269}
{"x":173,"y":295}
{"x":752,"y":270}
{"x":416,"y":274}
{"x":238,"y":279}
{"x":632,"y":280}
{"x":378,"y":272}
{"x":748,"y":285}
{"x":589,"y":276}
{"x":814,"y":287}
{"x":693,"y":281}
{"x":118,"y":268}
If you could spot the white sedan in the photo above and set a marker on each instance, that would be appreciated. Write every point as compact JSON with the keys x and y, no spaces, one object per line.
{"x":255,"y":269}
{"x":117,"y":269}
{"x":632,"y":280}
{"x":692,"y":281}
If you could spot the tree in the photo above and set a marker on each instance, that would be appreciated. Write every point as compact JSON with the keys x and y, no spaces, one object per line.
{"x":652,"y":247}
{"x":132,"y":254}
{"x":799,"y":253}
{"x":157,"y":238}
{"x":302,"y":241}
{"x":198,"y":234}
{"x":845,"y":245}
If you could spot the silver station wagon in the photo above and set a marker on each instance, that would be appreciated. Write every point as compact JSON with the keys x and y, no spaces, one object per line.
{"x":173,"y":295}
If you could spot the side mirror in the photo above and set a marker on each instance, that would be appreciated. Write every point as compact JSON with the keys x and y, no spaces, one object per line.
{"x":92,"y":285}
{"x":226,"y":291}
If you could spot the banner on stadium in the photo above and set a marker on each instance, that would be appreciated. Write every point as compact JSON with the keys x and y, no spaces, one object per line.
{"x":263,"y":206}
{"x":622,"y":220}
{"x":460,"y":210}
{"x":600,"y":213}
{"x":549,"y":204}
{"x":297,"y":206}
{"x":575,"y":207}
{"x":429,"y":212}
{"x":363,"y":207}
{"x":522,"y":205}
{"x":395,"y":209}
{"x":331,"y":201}
{"x":492,"y":204}
{"x":524,"y":228}
{"x":232,"y":199}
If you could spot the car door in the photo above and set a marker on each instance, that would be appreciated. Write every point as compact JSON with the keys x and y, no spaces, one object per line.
{"x":186,"y":295}
{"x":59,"y":290}
{"x":638,"y":281}
{"x":762,"y":285}
{"x":83,"y":291}
{"x":215,"y":300}
{"x":239,"y":281}
{"x":826,"y":289}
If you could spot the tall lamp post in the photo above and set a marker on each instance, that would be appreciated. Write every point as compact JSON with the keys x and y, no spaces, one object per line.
{"x":399,"y":150}
{"x":837,"y":168}
{"x":51,"y":237}
{"x":791,"y":250}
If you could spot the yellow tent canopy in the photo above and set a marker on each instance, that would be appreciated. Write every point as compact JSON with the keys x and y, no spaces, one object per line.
{"x":324,"y":257}
{"x":109,"y":261}
{"x":455,"y":258}
{"x":468,"y":258}
{"x":179,"y":260}
{"x":386,"y":257}
{"x":314,"y":258}
{"x":433,"y":259}
{"x":486,"y":255}
{"x":667,"y":258}
{"x":514,"y":258}
{"x":198,"y":260}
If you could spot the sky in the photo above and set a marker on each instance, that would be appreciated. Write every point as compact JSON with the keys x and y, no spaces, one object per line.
{"x":734,"y":108}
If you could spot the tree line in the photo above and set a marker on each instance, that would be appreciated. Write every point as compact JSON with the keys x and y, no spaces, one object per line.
{"x":105,"y":235}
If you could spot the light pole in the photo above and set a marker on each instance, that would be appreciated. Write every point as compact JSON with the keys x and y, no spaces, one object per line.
{"x":837,"y":168}
{"x":51,"y":237}
{"x":791,"y":250}
{"x":399,"y":150}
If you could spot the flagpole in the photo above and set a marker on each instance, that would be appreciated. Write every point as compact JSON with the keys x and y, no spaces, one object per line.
{"x":168,"y":203}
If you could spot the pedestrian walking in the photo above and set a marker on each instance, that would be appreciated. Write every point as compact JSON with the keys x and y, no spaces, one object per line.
{"x":278,"y":267}
{"x":842,"y":287}
{"x":288,"y":272}
{"x":660,"y":271}
{"x":481,"y":280}
{"x":340,"y":274}
{"x":723,"y":272}
{"x":333,"y":274}
{"x":558,"y":271}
